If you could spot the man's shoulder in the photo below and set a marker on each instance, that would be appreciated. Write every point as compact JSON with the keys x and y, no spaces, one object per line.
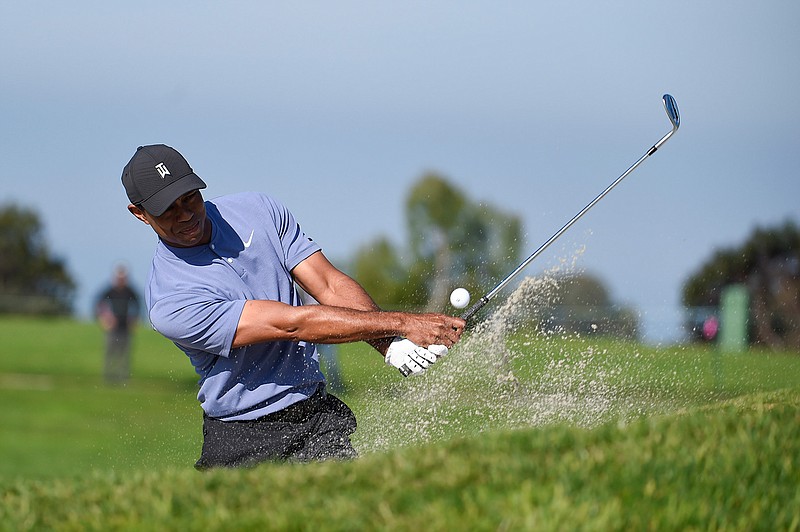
{"x":244,"y":207}
{"x":242,"y":199}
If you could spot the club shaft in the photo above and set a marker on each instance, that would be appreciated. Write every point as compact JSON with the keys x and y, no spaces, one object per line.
{"x":488,"y":297}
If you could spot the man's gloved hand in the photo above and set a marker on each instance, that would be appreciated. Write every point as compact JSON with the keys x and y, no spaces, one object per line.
{"x":408,"y":357}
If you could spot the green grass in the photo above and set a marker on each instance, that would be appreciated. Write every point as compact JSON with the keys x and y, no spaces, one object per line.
{"x":731,"y":465}
{"x":64,"y":420}
{"x":578,"y":434}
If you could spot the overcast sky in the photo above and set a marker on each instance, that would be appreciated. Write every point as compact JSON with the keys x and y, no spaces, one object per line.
{"x":337,"y":108}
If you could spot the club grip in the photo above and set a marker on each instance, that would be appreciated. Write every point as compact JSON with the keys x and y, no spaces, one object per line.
{"x":471,"y":311}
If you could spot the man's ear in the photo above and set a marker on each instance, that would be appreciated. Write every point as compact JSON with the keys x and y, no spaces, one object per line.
{"x":139,"y":213}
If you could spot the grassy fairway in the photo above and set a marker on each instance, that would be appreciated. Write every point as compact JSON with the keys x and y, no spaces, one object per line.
{"x":536,"y":433}
{"x":64,"y":420}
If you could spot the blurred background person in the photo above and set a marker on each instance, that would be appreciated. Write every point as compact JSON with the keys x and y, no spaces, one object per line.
{"x":117,"y":310}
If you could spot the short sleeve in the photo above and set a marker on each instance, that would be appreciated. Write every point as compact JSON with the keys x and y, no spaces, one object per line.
{"x":296,"y":245}
{"x":198,"y":321}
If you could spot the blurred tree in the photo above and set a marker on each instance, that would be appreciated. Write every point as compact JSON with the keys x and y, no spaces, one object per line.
{"x":452,"y":242}
{"x":580,"y":303}
{"x":456,"y":242}
{"x":31,"y":280}
{"x":768,"y":263}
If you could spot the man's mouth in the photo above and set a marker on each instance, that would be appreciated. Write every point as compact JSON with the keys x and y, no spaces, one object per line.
{"x":191,"y":229}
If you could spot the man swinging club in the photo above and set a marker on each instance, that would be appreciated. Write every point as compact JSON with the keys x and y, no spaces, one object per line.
{"x":223,"y":287}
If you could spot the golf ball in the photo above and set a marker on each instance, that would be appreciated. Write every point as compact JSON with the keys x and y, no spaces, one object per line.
{"x":459,"y":298}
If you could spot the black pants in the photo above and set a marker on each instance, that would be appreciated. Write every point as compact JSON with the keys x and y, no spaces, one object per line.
{"x":318,"y":428}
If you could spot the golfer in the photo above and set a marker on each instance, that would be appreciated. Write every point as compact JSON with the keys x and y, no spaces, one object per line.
{"x":223,"y":288}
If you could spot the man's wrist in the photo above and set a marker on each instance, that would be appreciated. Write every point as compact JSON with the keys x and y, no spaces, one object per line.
{"x":381,"y":344}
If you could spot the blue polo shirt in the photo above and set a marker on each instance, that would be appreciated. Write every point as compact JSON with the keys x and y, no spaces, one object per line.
{"x":195,"y":297}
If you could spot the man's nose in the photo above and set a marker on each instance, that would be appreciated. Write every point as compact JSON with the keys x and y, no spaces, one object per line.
{"x":183,"y":211}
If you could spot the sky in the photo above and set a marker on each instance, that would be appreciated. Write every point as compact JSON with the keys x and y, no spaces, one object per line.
{"x":338,"y":108}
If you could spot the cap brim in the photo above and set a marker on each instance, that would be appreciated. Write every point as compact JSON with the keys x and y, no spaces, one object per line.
{"x":161,"y":200}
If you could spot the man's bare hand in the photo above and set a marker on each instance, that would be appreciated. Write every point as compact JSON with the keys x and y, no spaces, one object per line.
{"x":434,"y":329}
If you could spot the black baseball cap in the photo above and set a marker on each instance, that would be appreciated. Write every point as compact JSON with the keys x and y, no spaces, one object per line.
{"x":156,"y":176}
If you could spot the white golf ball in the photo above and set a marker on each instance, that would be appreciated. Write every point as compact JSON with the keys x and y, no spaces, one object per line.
{"x":459,"y":298}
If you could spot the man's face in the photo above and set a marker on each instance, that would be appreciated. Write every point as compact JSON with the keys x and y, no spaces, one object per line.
{"x":183,"y":224}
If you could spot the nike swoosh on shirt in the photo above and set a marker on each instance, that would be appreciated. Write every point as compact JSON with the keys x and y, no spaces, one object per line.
{"x":249,"y":240}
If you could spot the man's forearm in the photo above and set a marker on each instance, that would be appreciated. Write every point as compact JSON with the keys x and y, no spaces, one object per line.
{"x":267,"y":321}
{"x":328,"y":285}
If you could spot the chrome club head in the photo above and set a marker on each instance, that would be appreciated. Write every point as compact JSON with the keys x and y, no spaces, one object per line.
{"x":672,"y":111}
{"x":674,"y":116}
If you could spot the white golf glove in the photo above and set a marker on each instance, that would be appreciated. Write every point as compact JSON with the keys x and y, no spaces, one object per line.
{"x":408,"y":357}
{"x":438,"y":350}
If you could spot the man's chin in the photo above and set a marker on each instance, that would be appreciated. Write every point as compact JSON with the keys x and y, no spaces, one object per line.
{"x":186,"y":240}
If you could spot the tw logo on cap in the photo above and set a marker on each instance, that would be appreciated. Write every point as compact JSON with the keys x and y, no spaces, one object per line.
{"x":162,"y":170}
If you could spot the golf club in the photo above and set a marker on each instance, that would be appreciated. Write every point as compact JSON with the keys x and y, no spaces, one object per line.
{"x":672,"y":112}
